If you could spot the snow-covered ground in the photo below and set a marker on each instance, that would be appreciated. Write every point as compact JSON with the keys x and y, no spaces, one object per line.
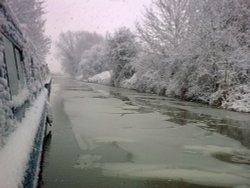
{"x":16,"y":152}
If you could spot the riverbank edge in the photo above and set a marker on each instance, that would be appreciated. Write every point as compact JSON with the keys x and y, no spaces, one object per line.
{"x":127,"y":84}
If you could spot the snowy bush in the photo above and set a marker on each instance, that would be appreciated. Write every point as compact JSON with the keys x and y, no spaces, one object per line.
{"x":102,"y":78}
{"x":93,"y":61}
{"x":122,"y":49}
{"x":129,"y":83}
{"x":235,"y":98}
{"x":152,"y":83}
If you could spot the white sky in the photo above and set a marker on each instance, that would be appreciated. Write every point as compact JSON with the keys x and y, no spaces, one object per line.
{"x":100,"y":16}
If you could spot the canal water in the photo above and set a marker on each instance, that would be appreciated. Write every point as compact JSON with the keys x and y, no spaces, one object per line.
{"x":106,"y":137}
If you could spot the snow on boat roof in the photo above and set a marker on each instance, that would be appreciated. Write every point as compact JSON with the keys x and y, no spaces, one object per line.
{"x":14,"y":156}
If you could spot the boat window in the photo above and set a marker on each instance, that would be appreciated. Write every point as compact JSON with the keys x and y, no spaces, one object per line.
{"x":19,"y":63}
{"x":11,"y":64}
{"x":1,"y":61}
{"x":32,"y":67}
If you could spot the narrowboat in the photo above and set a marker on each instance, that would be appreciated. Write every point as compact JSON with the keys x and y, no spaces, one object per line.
{"x":24,"y":85}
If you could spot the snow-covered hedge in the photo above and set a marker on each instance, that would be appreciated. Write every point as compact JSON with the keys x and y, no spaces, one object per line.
{"x":236,"y":98}
{"x":101,"y":78}
{"x":129,"y":83}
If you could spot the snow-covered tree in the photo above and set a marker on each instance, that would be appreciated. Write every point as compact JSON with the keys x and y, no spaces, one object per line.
{"x":122,"y":49}
{"x":164,"y":25}
{"x":94,"y":61}
{"x":206,"y":59}
{"x":196,"y":50}
{"x":30,"y":15}
{"x":218,"y":42}
{"x":71,"y":47}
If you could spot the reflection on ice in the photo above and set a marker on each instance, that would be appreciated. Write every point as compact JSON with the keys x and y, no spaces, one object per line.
{"x":88,"y":162}
{"x":130,"y":107}
{"x":112,"y":140}
{"x":227,"y":154}
{"x":104,"y":153}
{"x":192,"y":176}
{"x":185,"y":113}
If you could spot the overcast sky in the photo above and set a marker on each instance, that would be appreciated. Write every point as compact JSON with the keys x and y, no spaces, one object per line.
{"x":92,"y":15}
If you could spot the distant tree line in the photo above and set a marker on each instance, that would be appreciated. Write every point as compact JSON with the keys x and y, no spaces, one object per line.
{"x":195,"y":50}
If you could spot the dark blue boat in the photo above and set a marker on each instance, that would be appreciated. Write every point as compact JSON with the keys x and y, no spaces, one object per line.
{"x":24,"y":88}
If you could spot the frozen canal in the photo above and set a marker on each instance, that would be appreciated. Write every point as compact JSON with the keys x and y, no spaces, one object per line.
{"x":105,"y":137}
